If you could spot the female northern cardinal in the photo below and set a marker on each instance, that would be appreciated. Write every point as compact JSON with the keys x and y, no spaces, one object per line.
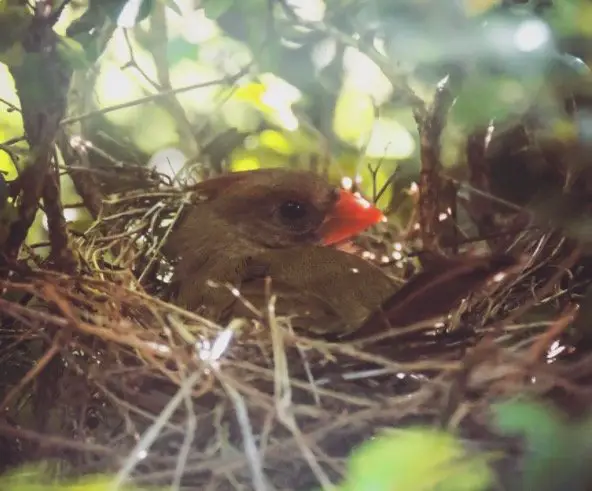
{"x":247,"y":226}
{"x":276,"y":223}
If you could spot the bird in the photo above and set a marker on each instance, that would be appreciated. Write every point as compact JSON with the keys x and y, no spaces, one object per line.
{"x":281,"y":224}
{"x":246,"y":234}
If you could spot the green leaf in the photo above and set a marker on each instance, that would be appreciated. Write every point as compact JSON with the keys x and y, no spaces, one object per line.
{"x":32,"y":478}
{"x":556,"y":453}
{"x":570,"y":17}
{"x":215,"y":8}
{"x":482,"y":99}
{"x":416,"y":459}
{"x":538,"y":423}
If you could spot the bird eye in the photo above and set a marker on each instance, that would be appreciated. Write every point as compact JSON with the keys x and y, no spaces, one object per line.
{"x":293,"y":211}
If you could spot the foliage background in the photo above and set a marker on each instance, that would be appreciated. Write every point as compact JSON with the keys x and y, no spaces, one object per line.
{"x":307,"y":91}
{"x":398,"y":99}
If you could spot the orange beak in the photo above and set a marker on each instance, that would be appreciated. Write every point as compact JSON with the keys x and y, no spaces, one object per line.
{"x":350,"y":216}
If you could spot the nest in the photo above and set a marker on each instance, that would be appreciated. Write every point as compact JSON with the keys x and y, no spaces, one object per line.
{"x":99,"y":373}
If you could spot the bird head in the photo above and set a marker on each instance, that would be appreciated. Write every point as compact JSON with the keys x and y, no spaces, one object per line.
{"x":283,"y":208}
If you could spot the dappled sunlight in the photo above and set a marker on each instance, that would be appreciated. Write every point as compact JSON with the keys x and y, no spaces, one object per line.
{"x":390,"y":139}
{"x":308,"y":10}
{"x":531,"y":35}
{"x":127,"y":18}
{"x":354,"y":130}
{"x":196,"y":27}
{"x":272,"y":98}
{"x":244,"y":163}
{"x":168,"y":161}
{"x":200,"y":101}
{"x":11,"y":123}
{"x":155,"y":129}
{"x":363,"y":75}
{"x":114,"y":86}
{"x":240,"y":115}
{"x":277,"y":141}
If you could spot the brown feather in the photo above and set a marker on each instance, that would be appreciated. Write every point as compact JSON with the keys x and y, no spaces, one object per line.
{"x":325,"y":289}
{"x":434,"y":292}
{"x":231,"y":235}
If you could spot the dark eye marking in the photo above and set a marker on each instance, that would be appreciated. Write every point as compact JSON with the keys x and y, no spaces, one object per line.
{"x":293,"y":211}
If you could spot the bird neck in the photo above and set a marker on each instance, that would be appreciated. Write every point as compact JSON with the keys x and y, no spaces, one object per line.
{"x":206,"y":246}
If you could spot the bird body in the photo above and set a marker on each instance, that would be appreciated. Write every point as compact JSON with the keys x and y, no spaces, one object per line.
{"x":245,"y":227}
{"x":323,"y":289}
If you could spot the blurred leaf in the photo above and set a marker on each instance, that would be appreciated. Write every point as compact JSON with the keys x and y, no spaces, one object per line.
{"x":264,"y":42}
{"x":416,"y":459}
{"x":539,"y":424}
{"x":254,"y":7}
{"x":478,"y":7}
{"x":390,"y":139}
{"x":251,"y":92}
{"x":299,"y":141}
{"x":179,"y":49}
{"x":215,"y":8}
{"x":353,"y":117}
{"x":584,"y":432}
{"x":245,"y":163}
{"x":569,"y":17}
{"x":557,"y":453}
{"x":243,"y":159}
{"x":482,"y":99}
{"x":35,"y":479}
{"x":272,"y":98}
{"x":276,"y":141}
{"x":7,"y":167}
